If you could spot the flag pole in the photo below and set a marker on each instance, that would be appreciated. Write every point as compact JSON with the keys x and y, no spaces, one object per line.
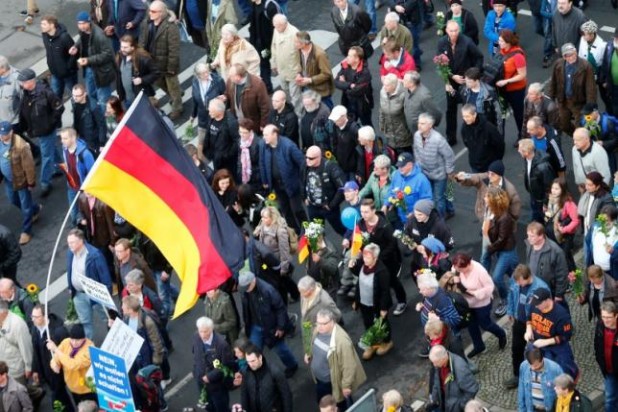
{"x":51,"y":261}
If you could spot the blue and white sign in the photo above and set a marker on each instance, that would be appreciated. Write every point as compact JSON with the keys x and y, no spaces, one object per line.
{"x":112,"y":381}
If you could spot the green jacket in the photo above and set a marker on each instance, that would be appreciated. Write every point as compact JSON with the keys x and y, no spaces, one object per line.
{"x":221,"y":311}
{"x":373,"y":189}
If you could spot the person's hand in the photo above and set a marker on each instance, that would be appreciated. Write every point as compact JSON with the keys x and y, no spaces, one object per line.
{"x":109,"y":30}
{"x":400,"y":9}
{"x":73,"y":51}
{"x":449,"y":89}
{"x":342,"y":78}
{"x":600,"y":142}
{"x":307,"y":359}
{"x":129,"y":25}
{"x":346,"y":392}
{"x":315,"y":257}
{"x":165,"y":276}
{"x":501,"y":83}
{"x":432,"y":316}
{"x":54,"y":366}
{"x":345,"y":243}
{"x":383,"y":313}
{"x":352,"y":263}
{"x":28,"y":374}
{"x":458,"y":79}
{"x":558,"y":299}
{"x":237,"y":207}
{"x":609,"y":249}
{"x":110,"y":322}
{"x":298,"y":79}
{"x":420,"y":248}
{"x":279,"y":333}
{"x":205,"y":379}
{"x":82,"y":61}
{"x":354,"y":306}
{"x":485,"y":228}
{"x":529,"y":335}
{"x":419,"y":306}
{"x":83,"y":222}
{"x":387,"y":64}
{"x":137,"y":81}
{"x":51,"y":346}
{"x":35,"y":378}
{"x":456,"y":279}
{"x":541,"y":343}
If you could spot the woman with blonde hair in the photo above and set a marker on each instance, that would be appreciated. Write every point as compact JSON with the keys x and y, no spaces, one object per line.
{"x":235,"y":49}
{"x":219,"y":14}
{"x":392,"y":401}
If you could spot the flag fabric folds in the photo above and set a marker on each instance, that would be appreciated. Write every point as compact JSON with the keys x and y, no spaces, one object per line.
{"x":303,"y":249}
{"x":357,"y":241}
{"x":145,"y":175}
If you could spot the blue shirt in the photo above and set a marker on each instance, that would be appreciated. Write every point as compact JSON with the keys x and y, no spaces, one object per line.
{"x":193,"y":12}
{"x":5,"y":161}
{"x":569,"y":71}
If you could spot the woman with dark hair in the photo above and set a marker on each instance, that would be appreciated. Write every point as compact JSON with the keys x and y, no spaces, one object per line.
{"x":596,"y":196}
{"x":473,"y":281}
{"x":225,"y":189}
{"x":114,"y":111}
{"x":499,"y":232}
{"x":465,"y":19}
{"x":513,"y":85}
{"x":249,"y":154}
{"x":562,"y":219}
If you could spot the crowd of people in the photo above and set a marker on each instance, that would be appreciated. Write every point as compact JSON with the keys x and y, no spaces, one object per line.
{"x":285,"y":163}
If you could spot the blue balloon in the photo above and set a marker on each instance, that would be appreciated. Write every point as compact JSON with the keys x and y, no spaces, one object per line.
{"x":349,"y":217}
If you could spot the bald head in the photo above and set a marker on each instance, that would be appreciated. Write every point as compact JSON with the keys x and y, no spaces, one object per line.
{"x":314,"y":151}
{"x":7,"y":289}
{"x":278,"y":100}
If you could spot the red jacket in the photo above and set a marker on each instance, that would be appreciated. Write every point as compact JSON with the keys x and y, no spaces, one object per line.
{"x":405,"y":64}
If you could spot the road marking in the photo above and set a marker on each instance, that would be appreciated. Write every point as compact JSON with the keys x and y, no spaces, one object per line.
{"x":526,"y":12}
{"x":176,"y":388}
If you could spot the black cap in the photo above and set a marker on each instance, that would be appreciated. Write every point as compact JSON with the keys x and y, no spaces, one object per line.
{"x":539,"y":296}
{"x":26,"y":74}
{"x":404,"y":158}
{"x":496,"y":167}
{"x":589,"y":108}
{"x":77,"y":332}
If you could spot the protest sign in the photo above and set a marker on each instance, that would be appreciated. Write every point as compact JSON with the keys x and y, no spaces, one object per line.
{"x":97,"y":292}
{"x":112,"y":381}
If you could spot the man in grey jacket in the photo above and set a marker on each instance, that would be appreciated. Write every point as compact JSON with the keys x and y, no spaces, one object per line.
{"x":437,"y":161}
{"x":14,"y":395}
{"x":451,"y":382}
{"x":418,"y":99}
{"x":566,"y":23}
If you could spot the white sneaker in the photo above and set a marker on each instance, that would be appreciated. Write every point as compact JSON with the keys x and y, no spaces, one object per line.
{"x":400,"y":308}
{"x":165,"y":383}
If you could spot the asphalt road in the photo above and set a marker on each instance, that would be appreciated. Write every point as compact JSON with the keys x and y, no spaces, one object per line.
{"x":400,"y":369}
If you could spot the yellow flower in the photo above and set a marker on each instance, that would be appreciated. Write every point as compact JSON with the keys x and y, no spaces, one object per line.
{"x":588,"y":118}
{"x":82,"y":382}
{"x":272,"y":196}
{"x":407,"y":190}
{"x":32,"y":288}
{"x":264,"y":267}
{"x":216,"y":363}
{"x":392,"y":199}
{"x":328,"y":154}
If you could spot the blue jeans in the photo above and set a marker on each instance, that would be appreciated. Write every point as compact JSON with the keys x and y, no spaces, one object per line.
{"x":50,"y":156}
{"x":85,"y":309}
{"x":22,"y":198}
{"x":71,"y":196}
{"x":58,"y":84}
{"x":98,"y":95}
{"x":370,"y":8}
{"x":283,"y":351}
{"x":536,"y":207}
{"x":611,"y":393}
{"x":416,"y":30}
{"x":168,"y":293}
{"x":438,"y":187}
{"x":481,"y":319}
{"x":548,"y":48}
{"x":506,"y":261}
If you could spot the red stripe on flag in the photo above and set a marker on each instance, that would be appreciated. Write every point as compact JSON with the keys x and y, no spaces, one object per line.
{"x":303,"y":249}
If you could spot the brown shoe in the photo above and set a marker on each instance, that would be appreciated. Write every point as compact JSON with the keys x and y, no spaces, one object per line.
{"x":384,"y":348}
{"x":175,"y":115}
{"x":24,"y":238}
{"x":368,"y":354}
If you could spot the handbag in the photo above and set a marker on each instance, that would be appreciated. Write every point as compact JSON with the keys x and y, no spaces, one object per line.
{"x":184,"y":33}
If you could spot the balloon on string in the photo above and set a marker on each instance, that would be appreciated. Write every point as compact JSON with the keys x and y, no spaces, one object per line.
{"x":349,"y":217}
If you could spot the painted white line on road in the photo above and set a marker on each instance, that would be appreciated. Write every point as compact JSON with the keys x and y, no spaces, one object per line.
{"x":176,"y":388}
{"x":55,"y":288}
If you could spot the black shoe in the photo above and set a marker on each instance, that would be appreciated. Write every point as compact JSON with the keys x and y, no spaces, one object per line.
{"x":502,"y":342}
{"x":25,"y":12}
{"x":511,"y":383}
{"x":474,"y":352}
{"x":449,"y":215}
{"x":546,"y":61}
{"x":289,"y":372}
{"x":46,"y":191}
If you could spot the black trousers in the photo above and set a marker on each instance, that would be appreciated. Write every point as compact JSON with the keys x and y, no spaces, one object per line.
{"x":292,"y":209}
{"x":451,"y":116}
{"x":518,"y":346}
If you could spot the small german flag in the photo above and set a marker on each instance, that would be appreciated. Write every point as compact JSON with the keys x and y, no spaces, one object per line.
{"x":357,"y":241}
{"x":303,"y":249}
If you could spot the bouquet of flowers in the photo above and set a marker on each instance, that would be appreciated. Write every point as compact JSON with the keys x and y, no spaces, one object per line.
{"x":307,"y":337}
{"x":365,"y":236}
{"x":442,"y":66}
{"x":190,"y":132}
{"x":405,"y":239}
{"x":425,"y":271}
{"x":593,"y":126}
{"x":604,"y":226}
{"x":577,"y":282}
{"x":70,"y":317}
{"x":227,"y":372}
{"x":399,"y":198}
{"x":58,"y":406}
{"x":33,"y":292}
{"x":330,"y":156}
{"x":313,"y":231}
{"x":376,"y":334}
{"x":440,"y":23}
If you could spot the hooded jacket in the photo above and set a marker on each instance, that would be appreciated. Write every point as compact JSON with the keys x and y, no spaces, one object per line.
{"x":393,"y":119}
{"x":61,"y":64}
{"x":419,"y":185}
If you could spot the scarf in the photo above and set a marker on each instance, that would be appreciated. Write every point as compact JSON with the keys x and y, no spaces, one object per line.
{"x":98,"y":13}
{"x":563,"y":403}
{"x":368,"y":271}
{"x":74,"y":351}
{"x":245,"y":158}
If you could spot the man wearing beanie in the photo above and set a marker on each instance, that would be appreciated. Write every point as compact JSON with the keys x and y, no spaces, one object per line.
{"x":72,"y":358}
{"x":95,"y":55}
{"x":483,"y":140}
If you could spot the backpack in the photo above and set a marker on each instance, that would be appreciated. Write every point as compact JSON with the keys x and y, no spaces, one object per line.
{"x":148,"y":380}
{"x":494,"y":70}
{"x":293,"y":240}
{"x":462,"y":307}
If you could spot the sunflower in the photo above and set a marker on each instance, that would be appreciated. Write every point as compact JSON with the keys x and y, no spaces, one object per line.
{"x":328,"y":154}
{"x":32,"y":288}
{"x":588,"y":117}
{"x":272,"y":197}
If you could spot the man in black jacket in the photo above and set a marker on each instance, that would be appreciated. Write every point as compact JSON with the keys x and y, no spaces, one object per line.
{"x":96,"y":57}
{"x":135,"y":71}
{"x":283,"y":116}
{"x":221,"y":139}
{"x":344,"y":139}
{"x":264,"y":389}
{"x":88,"y":123}
{"x":462,"y":54}
{"x":10,"y":254}
{"x":608,"y":362}
{"x":40,"y":115}
{"x":538,"y":177}
{"x":261,"y":35}
{"x":322,"y":180}
{"x":484,"y":142}
{"x":62,"y":65}
{"x":351,"y":23}
{"x":354,"y":81}
{"x":266,"y":319}
{"x":546,"y":140}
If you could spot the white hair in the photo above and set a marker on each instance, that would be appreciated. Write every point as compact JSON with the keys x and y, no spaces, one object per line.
{"x":391,"y":16}
{"x":205,"y":323}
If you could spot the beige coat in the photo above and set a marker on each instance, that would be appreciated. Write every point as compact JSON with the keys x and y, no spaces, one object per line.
{"x":226,"y":14}
{"x":284,"y":56}
{"x":479,"y":181}
{"x":346,"y":370}
{"x":244,"y":53}
{"x":16,"y":346}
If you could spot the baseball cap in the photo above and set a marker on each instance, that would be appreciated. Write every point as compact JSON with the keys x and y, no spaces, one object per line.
{"x":404,"y":158}
{"x":351,"y":185}
{"x":539,"y":296}
{"x":26,"y":74}
{"x":337,"y":112}
{"x":244,"y":280}
{"x":82,"y":16}
{"x":568,"y":48}
{"x":5,"y":128}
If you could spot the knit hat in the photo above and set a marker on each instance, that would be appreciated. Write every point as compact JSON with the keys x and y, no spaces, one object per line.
{"x":77,"y":332}
{"x":496,"y":167}
{"x":589,"y":108}
{"x":433,"y":244}
{"x":244,"y":280}
{"x":425,"y":206}
{"x":568,"y":48}
{"x":83,"y":16}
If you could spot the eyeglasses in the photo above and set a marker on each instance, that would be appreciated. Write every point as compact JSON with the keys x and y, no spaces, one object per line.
{"x":78,"y":96}
{"x":154,"y":11}
{"x":310,"y":158}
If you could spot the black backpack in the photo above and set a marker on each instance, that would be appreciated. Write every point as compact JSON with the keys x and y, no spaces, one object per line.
{"x":494,"y":70}
{"x":462,"y":307}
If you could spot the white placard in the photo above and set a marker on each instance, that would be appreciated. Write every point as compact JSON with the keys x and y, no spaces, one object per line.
{"x":121,"y":341}
{"x":97,"y":292}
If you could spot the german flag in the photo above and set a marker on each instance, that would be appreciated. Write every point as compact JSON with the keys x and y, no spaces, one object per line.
{"x":146,"y":175}
{"x":303,"y":249}
{"x":357,"y":241}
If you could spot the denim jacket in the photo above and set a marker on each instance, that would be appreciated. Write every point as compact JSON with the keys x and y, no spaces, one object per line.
{"x":513,"y":297}
{"x":524,"y":391}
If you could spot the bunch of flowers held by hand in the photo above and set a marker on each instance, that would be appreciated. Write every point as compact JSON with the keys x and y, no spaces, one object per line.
{"x":307,"y":337}
{"x":425,"y":271}
{"x":376,"y":334}
{"x":440,"y":23}
{"x":604,"y":226}
{"x":366,"y":236}
{"x":576,"y":279}
{"x":399,"y":198}
{"x":405,"y":239}
{"x":313,"y":231}
{"x":593,"y":126}
{"x":33,"y":292}
{"x":70,"y":316}
{"x":442,"y":66}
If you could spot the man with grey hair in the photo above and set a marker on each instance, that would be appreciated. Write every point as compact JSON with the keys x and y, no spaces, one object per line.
{"x":220,"y":145}
{"x":368,"y":149}
{"x":333,"y":361}
{"x":314,"y":298}
{"x":538,"y":104}
{"x":206,"y":86}
{"x":11,"y":93}
{"x":588,"y":156}
{"x":393,"y":29}
{"x":392,"y":119}
{"x":451,"y":382}
{"x":284,"y":59}
{"x":314,"y":121}
{"x":15,"y":344}
{"x":160,"y":37}
{"x":247,"y":96}
{"x":437,"y":161}
{"x":316,"y":73}
{"x":208,"y":347}
{"x":418,"y":99}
